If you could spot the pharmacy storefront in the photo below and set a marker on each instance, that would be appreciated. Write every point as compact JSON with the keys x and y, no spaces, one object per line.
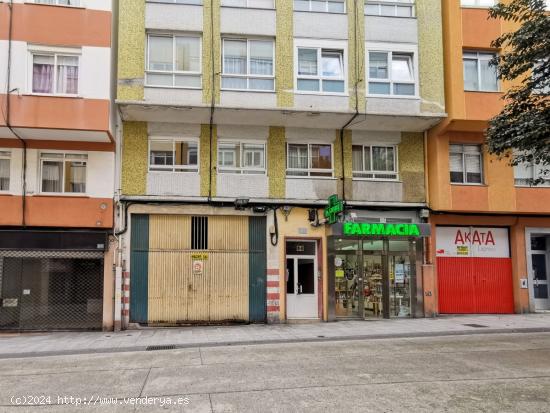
{"x":375,"y":270}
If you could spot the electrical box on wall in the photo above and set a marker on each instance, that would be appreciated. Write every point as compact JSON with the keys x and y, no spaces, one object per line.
{"x":523,"y":283}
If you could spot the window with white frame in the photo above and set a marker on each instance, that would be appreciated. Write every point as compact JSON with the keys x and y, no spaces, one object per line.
{"x":479,"y":75}
{"x":75,"y":3}
{"x":389,"y":8}
{"x":173,"y":61}
{"x":320,"y":70}
{"x":191,"y":2}
{"x":478,"y":3}
{"x":466,"y":164}
{"x":526,"y":173}
{"x":173,"y":155}
{"x":241,"y":157}
{"x":326,"y":6}
{"x":309,"y":160}
{"x":374,"y":161}
{"x":391,"y":73}
{"x":538,"y":75}
{"x":256,"y":4}
{"x":5,"y":164}
{"x":55,"y":73}
{"x":247,"y":64}
{"x":63,"y":172}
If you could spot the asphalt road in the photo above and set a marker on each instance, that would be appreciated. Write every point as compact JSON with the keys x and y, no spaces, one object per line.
{"x":480,"y":373}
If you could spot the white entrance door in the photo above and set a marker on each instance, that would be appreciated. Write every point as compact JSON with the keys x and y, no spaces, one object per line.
{"x":540,"y":271}
{"x":301,"y":291}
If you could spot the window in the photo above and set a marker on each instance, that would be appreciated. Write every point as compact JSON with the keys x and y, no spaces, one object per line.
{"x":5,"y":170}
{"x":539,"y":76}
{"x":309,"y":160}
{"x":59,"y":2}
{"x":403,"y":8}
{"x":374,"y":162}
{"x":330,"y":6}
{"x":248,"y":64}
{"x":63,"y":172}
{"x":478,"y":74}
{"x":199,"y":233}
{"x":192,"y":2}
{"x":173,"y":155}
{"x":173,"y":61}
{"x":257,"y":4}
{"x":465,"y":162}
{"x":525,"y":174}
{"x":320,"y":70}
{"x":245,"y":158}
{"x":391,"y":73}
{"x":477,"y":3}
{"x":55,"y":73}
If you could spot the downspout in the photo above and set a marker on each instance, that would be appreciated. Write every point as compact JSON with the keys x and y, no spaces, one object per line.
{"x":212,"y":101}
{"x":356,"y":91}
{"x":427,"y":240}
{"x":8,"y":114}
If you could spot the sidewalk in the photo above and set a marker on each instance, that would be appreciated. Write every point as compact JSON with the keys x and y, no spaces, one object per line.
{"x":56,"y":343}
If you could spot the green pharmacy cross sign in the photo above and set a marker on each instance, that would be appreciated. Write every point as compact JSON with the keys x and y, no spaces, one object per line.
{"x":334,"y":209}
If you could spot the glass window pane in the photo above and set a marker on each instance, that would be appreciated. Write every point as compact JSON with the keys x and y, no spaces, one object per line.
{"x":253,"y":156}
{"x":261,"y":4}
{"x":188,"y":54}
{"x":357,"y":158}
{"x":332,"y":64}
{"x":233,"y":82}
{"x":403,"y":89}
{"x":367,"y":153}
{"x":229,"y":155}
{"x":456,"y":167}
{"x":372,"y":9}
{"x":67,"y":74}
{"x":318,"y":5}
{"x":234,"y":3}
{"x":4,"y":174}
{"x":404,"y":11}
{"x":388,"y":10}
{"x":335,"y":6}
{"x":261,"y":84}
{"x":297,"y":156}
{"x":75,"y":177}
{"x":42,"y":74}
{"x":301,"y":5}
{"x":321,"y":156}
{"x":155,"y":79}
{"x":488,"y":76}
{"x":333,"y":86}
{"x":185,"y":153}
{"x":261,"y":58}
{"x":378,"y":65}
{"x":401,"y":68}
{"x":188,"y":81}
{"x":310,"y":85}
{"x":161,"y":53}
{"x":161,"y":153}
{"x":379,"y":158}
{"x":307,"y":62}
{"x":234,"y":57}
{"x":376,"y":88}
{"x":52,"y":175}
{"x":470,"y":75}
{"x":473,"y":168}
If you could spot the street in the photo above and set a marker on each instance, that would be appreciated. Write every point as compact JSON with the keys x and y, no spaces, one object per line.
{"x":473,"y":373}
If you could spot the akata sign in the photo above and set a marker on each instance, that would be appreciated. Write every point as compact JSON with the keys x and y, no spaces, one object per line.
{"x":472,"y":242}
{"x":385,"y":230}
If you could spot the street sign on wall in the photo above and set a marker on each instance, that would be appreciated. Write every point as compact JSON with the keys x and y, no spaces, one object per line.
{"x":472,"y":242}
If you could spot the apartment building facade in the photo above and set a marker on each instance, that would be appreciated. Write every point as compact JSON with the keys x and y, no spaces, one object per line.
{"x":490,"y":228}
{"x":260,"y":141}
{"x":57,"y":156}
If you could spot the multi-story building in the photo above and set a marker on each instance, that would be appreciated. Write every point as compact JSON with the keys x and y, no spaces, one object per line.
{"x":239,"y":119}
{"x":57,"y":156}
{"x":490,"y":228}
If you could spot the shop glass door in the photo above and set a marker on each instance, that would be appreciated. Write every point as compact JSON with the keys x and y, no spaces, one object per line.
{"x":374,"y":278}
{"x":348,"y":282}
{"x":540,"y":262}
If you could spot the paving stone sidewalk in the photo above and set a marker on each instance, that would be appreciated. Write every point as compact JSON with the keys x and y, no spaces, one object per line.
{"x":54,"y":343}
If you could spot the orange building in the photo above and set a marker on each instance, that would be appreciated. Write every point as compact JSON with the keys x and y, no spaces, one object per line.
{"x":491,"y":231}
{"x":57,"y":164}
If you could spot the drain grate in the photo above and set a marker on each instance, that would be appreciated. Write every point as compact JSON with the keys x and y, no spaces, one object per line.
{"x":475,"y":325}
{"x":156,"y":348}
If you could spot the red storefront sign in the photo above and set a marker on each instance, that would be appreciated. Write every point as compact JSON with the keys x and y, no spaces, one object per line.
{"x":474,"y":270}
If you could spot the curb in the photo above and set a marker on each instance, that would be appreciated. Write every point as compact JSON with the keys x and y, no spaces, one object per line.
{"x":318,"y":339}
